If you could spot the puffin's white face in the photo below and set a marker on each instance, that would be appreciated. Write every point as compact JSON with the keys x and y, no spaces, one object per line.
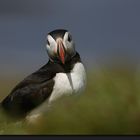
{"x":60,"y":46}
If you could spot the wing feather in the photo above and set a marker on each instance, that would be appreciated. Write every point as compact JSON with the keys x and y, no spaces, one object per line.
{"x":30,"y":93}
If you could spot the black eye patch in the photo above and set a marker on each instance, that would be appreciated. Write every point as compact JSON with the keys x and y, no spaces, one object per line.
{"x":69,"y":38}
{"x":48,"y":42}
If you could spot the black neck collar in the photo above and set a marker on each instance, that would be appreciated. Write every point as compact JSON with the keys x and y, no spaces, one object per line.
{"x":68,"y":66}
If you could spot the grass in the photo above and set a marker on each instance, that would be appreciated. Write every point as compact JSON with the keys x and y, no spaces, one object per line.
{"x":110,"y":105}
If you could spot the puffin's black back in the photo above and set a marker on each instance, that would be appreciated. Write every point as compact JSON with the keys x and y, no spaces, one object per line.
{"x":36,"y":88}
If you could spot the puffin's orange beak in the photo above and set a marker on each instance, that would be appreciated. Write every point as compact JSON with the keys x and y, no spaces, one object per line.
{"x":61,"y":51}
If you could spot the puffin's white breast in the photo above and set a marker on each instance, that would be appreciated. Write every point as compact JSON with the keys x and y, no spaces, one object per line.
{"x":70,"y":83}
{"x":65,"y":84}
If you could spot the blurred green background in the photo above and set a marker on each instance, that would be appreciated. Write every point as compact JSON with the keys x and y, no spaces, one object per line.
{"x":106,"y":33}
{"x":110,"y":105}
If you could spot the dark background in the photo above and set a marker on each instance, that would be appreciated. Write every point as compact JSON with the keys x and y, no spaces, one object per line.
{"x":105,"y":32}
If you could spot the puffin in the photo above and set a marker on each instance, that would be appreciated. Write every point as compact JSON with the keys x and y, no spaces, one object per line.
{"x":64,"y":74}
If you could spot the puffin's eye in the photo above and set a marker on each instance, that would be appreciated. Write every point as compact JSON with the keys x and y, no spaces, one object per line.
{"x":48,"y":42}
{"x":69,"y":38}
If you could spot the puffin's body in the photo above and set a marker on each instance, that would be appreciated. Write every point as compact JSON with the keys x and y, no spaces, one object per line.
{"x":64,"y":74}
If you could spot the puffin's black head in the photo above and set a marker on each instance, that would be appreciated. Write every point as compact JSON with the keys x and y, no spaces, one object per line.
{"x":60,"y":46}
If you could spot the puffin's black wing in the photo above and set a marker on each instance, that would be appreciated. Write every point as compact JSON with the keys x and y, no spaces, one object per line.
{"x":36,"y":88}
{"x":31,"y":92}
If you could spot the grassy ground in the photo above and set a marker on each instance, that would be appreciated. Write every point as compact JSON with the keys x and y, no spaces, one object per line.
{"x":110,"y":105}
